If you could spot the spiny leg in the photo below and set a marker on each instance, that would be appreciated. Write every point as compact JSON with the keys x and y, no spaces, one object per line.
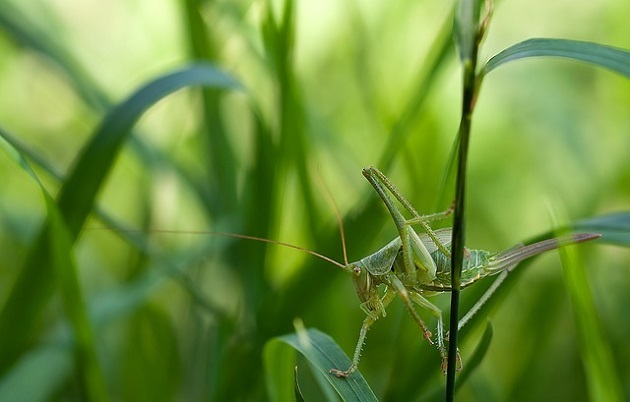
{"x":405,"y":296}
{"x":483,"y":299}
{"x":371,"y":317}
{"x":427,"y":305}
{"x":377,"y":179}
{"x":408,"y":297}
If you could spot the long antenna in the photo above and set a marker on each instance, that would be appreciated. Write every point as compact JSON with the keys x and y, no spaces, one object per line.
{"x":331,"y":200}
{"x":233,"y":235}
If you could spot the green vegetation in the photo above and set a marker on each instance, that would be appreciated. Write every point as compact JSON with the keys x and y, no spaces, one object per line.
{"x":131,"y":128}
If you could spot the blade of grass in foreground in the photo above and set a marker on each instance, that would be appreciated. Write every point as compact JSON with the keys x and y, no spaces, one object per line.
{"x":323,"y":354}
{"x":36,"y":281}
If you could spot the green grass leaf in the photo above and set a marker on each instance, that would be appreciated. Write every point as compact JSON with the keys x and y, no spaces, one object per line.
{"x":78,"y":193}
{"x":38,"y":375}
{"x":614,"y":228}
{"x":59,"y":241}
{"x":603,"y":382}
{"x":36,"y":280}
{"x":608,"y":57}
{"x":323,"y":354}
{"x":466,"y":28}
{"x":74,"y":304}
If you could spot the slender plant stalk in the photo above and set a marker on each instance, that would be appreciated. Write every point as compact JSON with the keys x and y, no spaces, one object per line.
{"x":470,"y":89}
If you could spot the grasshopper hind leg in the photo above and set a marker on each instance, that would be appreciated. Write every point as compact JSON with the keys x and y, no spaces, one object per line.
{"x":410,"y":296}
{"x":440,"y":343}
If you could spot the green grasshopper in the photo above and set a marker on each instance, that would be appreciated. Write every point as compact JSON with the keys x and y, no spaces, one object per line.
{"x":414,"y":266}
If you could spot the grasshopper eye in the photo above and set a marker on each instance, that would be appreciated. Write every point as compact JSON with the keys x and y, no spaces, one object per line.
{"x":357,"y":270}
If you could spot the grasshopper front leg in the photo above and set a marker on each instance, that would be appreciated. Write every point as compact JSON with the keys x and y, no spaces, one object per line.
{"x":372,"y":314}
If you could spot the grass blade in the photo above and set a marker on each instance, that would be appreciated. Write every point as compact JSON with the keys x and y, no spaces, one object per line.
{"x":597,"y":358}
{"x":221,"y":161}
{"x":36,"y":281}
{"x":60,"y":246}
{"x":614,"y":228}
{"x":38,"y":375}
{"x":78,"y":193}
{"x":466,"y":28}
{"x":74,"y":305}
{"x":608,"y":57}
{"x":323,"y":354}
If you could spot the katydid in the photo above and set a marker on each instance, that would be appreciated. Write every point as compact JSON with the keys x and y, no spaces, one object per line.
{"x":415,"y":265}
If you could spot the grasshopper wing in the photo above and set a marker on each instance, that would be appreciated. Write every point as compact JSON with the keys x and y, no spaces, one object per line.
{"x":381,"y":262}
{"x":444,"y":235}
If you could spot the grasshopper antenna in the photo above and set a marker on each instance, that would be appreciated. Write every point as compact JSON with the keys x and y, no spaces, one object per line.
{"x":233,"y":235}
{"x":280,"y":243}
{"x":331,"y":200}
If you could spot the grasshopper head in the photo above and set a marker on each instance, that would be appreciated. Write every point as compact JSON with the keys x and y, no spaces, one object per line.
{"x":361,"y":279}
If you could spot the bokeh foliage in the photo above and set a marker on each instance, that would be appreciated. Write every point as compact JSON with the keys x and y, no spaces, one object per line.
{"x":328,"y":87}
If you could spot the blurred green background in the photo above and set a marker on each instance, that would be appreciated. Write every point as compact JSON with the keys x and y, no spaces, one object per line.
{"x":330,"y":87}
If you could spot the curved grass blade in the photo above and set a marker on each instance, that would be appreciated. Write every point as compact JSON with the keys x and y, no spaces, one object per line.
{"x":78,"y":193}
{"x":608,"y":57}
{"x":614,"y":228}
{"x":38,"y":376}
{"x":299,"y":397}
{"x":175,"y":270}
{"x":60,"y":246}
{"x":44,"y":43}
{"x":323,"y":354}
{"x":477,"y":357}
{"x":36,"y":281}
